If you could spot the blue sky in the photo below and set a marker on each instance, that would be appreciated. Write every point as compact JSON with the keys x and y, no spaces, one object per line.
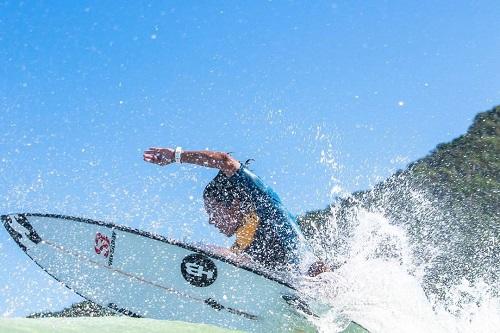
{"x":325,"y":96}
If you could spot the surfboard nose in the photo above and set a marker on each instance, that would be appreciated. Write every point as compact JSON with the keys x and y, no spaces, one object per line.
{"x":6,"y":219}
{"x":16,"y":236}
{"x":21,"y":230}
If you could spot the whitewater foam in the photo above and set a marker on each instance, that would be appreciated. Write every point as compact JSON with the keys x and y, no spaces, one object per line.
{"x":380,"y":286}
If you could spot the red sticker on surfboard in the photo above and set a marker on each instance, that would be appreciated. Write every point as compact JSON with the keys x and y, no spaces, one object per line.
{"x":102,"y":244}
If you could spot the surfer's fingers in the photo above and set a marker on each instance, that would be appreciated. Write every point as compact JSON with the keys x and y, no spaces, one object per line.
{"x":153,"y":153}
{"x":152,"y":157}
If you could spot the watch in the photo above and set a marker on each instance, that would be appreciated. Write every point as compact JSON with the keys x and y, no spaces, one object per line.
{"x":178,"y":153}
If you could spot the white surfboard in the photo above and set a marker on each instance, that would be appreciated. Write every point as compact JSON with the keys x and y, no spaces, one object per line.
{"x":141,"y":274}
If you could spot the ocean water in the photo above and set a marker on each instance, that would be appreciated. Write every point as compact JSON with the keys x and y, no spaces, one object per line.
{"x":102,"y":325}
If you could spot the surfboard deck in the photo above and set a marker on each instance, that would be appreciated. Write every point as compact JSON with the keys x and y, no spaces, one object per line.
{"x":141,"y":274}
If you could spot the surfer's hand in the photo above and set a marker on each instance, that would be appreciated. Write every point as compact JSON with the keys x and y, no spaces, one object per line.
{"x":160,"y":156}
{"x":317,"y":268}
{"x":243,"y":259}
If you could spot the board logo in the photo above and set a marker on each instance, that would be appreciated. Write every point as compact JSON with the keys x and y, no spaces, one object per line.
{"x":101,"y":244}
{"x":198,"y":270}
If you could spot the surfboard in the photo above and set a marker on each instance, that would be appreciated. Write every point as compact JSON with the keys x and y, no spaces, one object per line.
{"x":141,"y":274}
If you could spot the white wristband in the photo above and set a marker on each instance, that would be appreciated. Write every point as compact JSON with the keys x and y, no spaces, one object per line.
{"x":178,"y":153}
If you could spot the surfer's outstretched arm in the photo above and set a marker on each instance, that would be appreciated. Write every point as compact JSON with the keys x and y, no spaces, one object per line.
{"x":211,"y":159}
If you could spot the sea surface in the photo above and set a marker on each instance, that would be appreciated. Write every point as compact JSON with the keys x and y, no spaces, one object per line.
{"x":103,"y":325}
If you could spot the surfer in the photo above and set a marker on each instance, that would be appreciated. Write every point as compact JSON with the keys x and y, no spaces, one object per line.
{"x":238,"y":203}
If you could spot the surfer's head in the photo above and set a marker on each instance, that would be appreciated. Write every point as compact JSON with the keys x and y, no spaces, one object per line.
{"x":225,"y":204}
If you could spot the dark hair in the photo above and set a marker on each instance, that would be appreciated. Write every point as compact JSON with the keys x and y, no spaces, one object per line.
{"x":222,"y":190}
